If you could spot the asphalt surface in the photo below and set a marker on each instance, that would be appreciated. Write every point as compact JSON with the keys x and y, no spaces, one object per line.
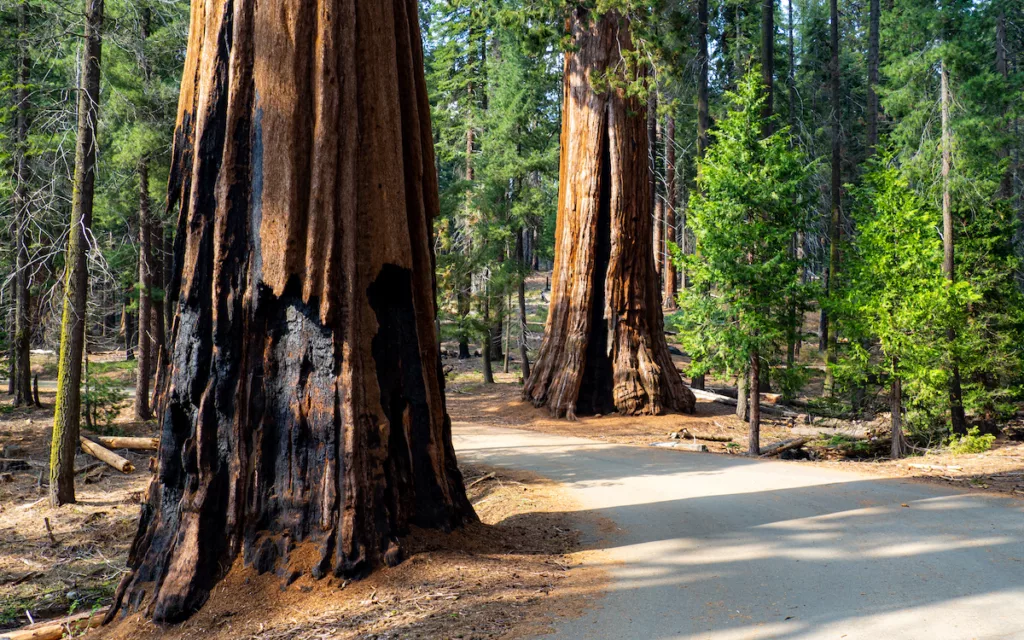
{"x":719,"y":547}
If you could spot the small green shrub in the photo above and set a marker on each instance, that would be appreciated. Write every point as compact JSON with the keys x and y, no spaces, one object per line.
{"x":973,"y":442}
{"x":102,"y":400}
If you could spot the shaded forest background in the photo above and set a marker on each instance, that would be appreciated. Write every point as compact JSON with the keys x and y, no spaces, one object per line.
{"x":843,"y":110}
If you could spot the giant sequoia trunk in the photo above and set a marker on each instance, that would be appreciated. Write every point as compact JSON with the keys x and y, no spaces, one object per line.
{"x":305,"y":408}
{"x":604,"y":348}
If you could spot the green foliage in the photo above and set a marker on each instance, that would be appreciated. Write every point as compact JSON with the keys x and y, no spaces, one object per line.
{"x":893,"y":293}
{"x":747,"y":209}
{"x":494,"y":79}
{"x":102,"y":401}
{"x":973,"y":442}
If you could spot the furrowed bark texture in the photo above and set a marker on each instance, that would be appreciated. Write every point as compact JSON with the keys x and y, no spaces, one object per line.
{"x":604,"y":348}
{"x":305,"y":403}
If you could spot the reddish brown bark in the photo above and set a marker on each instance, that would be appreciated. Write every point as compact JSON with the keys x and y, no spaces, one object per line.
{"x":305,"y":403}
{"x":604,"y":348}
{"x":671,"y":277}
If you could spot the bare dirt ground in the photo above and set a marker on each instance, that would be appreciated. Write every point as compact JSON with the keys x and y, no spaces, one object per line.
{"x":498,"y":578}
{"x":500,"y":405}
{"x":999,"y":470}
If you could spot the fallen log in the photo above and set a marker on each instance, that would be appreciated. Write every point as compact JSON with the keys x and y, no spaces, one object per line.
{"x":122,"y":442}
{"x":785,"y":445}
{"x":685,"y":446}
{"x":765,"y":407}
{"x":56,"y":629}
{"x":708,"y":438}
{"x":106,"y":455}
{"x":684,"y":434}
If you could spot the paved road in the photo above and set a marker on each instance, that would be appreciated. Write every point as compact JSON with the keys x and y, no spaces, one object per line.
{"x":726,"y":548}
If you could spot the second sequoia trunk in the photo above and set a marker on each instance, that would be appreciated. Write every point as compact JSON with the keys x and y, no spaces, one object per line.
{"x":604,"y":346}
{"x":304,"y":427}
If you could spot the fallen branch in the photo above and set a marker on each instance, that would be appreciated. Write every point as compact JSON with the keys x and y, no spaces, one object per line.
{"x":89,"y":467}
{"x":934,"y":467}
{"x":488,"y":476}
{"x":785,"y":445}
{"x":49,"y":532}
{"x":106,"y":455}
{"x":56,"y":629}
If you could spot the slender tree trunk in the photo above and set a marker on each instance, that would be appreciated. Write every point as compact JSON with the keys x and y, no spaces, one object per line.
{"x":874,"y":20}
{"x":899,"y":441}
{"x":1003,"y":69}
{"x":67,"y":412}
{"x":835,"y":220}
{"x":956,"y":403}
{"x":507,"y":334}
{"x":660,"y":251}
{"x":487,"y":342}
{"x":22,"y":299}
{"x":768,"y":61}
{"x":796,"y":314}
{"x":12,"y":358}
{"x":306,"y":408}
{"x":524,"y":355}
{"x":159,"y":336}
{"x":703,"y":115}
{"x":462,"y":304}
{"x":462,"y":296}
{"x":145,"y":368}
{"x":168,"y":269}
{"x":742,"y":393}
{"x":753,"y":387}
{"x":671,"y":277}
{"x":652,"y":146}
{"x":604,"y":346}
{"x":126,"y":331}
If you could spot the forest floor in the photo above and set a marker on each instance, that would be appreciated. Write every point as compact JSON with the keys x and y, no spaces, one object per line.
{"x":1001,"y":469}
{"x":497,"y":578}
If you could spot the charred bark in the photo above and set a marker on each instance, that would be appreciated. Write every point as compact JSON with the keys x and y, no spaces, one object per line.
{"x":305,"y":406}
{"x":604,"y":348}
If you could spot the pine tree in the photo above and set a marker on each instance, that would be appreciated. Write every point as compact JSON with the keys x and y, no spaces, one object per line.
{"x":748,"y":206}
